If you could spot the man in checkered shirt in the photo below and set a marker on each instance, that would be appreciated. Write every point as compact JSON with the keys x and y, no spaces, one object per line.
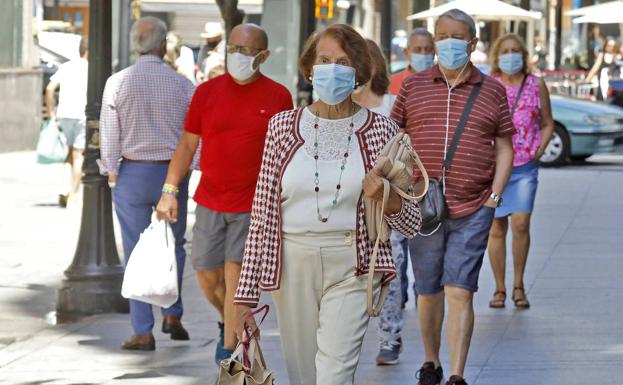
{"x":142,"y":119}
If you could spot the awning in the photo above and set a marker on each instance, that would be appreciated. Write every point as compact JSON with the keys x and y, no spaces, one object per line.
{"x":606,"y":13}
{"x":588,"y":9}
{"x":186,"y":6}
{"x":58,"y":46}
{"x":249,"y":6}
{"x":490,"y":10}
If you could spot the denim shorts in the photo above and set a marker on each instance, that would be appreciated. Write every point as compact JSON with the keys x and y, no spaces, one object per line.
{"x":518,"y":197}
{"x":74,"y":130}
{"x":453,"y":255}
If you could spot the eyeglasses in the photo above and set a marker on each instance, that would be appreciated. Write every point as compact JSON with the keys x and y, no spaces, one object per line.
{"x":246,"y":51}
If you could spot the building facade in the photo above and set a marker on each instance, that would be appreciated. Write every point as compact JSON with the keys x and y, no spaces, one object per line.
{"x":20,"y":79}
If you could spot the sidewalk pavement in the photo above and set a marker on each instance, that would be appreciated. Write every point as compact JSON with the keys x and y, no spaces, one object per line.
{"x":573,"y":333}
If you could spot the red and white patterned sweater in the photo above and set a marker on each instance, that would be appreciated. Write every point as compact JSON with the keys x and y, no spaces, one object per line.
{"x":261,"y":265}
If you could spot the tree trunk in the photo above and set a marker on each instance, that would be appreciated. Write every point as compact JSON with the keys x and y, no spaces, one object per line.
{"x":523,"y":26}
{"x":230,"y":14}
{"x":419,"y":6}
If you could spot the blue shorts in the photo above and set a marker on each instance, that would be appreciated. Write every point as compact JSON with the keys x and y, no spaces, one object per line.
{"x":518,"y":197}
{"x":74,"y":130}
{"x":453,"y":255}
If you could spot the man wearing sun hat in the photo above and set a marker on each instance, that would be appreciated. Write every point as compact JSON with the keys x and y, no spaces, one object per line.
{"x":211,"y":60}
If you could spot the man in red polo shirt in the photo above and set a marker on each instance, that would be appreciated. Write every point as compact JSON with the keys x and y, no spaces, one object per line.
{"x":420,"y":51}
{"x":447,"y":263}
{"x":230,"y":115}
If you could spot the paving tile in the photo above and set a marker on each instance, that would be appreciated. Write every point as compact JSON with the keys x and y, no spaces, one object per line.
{"x":573,"y":333}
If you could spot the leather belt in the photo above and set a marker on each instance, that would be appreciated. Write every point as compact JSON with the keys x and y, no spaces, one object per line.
{"x":147,"y":161}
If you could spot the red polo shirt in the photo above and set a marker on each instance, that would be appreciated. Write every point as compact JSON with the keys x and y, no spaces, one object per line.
{"x":232,"y":121}
{"x":420,"y":108}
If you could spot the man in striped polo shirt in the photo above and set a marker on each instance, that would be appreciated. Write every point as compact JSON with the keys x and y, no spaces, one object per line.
{"x":447,"y":263}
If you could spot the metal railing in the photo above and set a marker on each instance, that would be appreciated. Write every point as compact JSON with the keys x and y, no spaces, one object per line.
{"x":570,"y":83}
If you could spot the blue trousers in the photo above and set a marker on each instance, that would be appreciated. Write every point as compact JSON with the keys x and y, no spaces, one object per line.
{"x":391,"y":320}
{"x":404,"y":278}
{"x":138,"y":190}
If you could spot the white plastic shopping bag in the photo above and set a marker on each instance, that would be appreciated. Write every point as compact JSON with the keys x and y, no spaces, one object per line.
{"x":52,"y":146}
{"x":151,"y":271}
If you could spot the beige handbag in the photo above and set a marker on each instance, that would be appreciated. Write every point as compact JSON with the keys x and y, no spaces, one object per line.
{"x":395,"y":163}
{"x":253,"y":372}
{"x":252,"y":369}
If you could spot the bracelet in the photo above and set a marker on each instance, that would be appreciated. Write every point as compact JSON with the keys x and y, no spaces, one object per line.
{"x":170,"y":189}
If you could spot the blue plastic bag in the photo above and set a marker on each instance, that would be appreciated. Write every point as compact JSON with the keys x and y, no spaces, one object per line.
{"x":52,"y":146}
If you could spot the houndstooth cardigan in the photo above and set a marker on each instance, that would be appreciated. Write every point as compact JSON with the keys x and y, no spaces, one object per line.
{"x":261,"y":265}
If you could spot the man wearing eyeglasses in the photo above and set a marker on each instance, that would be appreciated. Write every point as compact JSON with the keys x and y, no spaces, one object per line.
{"x":230,"y":115}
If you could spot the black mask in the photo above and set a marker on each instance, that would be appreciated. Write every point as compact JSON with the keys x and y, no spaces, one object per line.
{"x":212,"y":45}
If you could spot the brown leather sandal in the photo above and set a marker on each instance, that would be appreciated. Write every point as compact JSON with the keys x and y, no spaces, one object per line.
{"x":521,"y":303}
{"x":499,"y":297}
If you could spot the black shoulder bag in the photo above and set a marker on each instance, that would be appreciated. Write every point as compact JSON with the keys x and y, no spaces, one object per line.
{"x":433,"y":206}
{"x":523,"y":83}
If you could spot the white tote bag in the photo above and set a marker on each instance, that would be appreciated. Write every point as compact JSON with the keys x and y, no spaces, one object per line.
{"x":151,"y":272}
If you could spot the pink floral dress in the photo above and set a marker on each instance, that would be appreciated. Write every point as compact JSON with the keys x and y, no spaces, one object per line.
{"x":527,"y":119}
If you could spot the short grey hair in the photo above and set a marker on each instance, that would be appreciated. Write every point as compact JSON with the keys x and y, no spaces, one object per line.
{"x":420,"y":31}
{"x":148,"y":34}
{"x":458,"y":15}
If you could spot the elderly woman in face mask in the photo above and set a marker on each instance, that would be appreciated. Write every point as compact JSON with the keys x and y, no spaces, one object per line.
{"x":531,"y":112}
{"x":308,"y":242}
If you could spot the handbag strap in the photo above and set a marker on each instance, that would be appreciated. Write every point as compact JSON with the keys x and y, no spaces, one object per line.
{"x":249,"y":344}
{"x":420,"y":165}
{"x":259,"y":310}
{"x":403,"y":141}
{"x":461,"y":126}
{"x":523,"y":83}
{"x":374,"y":311}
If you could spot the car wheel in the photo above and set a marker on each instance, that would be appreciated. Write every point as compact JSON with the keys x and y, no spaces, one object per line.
{"x":558,"y":149}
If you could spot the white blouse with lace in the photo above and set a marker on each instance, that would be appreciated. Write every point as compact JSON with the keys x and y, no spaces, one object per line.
{"x":298,"y":204}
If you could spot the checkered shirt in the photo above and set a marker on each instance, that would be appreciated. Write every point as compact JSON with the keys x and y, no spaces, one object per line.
{"x":143,"y":112}
{"x":261,"y":266}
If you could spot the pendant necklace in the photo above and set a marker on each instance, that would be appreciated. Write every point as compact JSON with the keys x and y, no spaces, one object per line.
{"x":338,"y":187}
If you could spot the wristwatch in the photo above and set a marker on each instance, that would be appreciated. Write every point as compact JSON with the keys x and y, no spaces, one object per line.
{"x":496,"y":198}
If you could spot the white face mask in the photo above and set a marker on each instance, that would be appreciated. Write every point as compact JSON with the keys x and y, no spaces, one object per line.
{"x":240,"y":66}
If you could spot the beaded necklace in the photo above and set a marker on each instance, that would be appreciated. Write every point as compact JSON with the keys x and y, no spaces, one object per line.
{"x":338,"y":187}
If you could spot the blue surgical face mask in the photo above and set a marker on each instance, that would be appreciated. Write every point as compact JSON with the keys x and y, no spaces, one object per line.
{"x":452,"y":53}
{"x":511,"y":63}
{"x":333,"y":82}
{"x":421,"y":62}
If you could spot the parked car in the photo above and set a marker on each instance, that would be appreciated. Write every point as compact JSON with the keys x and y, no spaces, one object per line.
{"x":582,"y":128}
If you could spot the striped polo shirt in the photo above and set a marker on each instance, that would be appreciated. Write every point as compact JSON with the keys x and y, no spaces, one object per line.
{"x":421,"y":109}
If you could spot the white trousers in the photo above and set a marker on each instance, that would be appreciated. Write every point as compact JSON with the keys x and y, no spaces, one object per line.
{"x":321,"y":308}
